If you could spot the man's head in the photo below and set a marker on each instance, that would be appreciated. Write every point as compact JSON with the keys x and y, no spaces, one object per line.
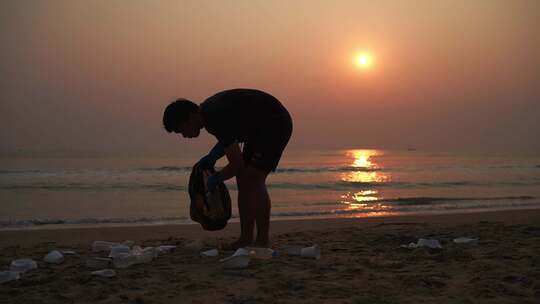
{"x":182,"y":116}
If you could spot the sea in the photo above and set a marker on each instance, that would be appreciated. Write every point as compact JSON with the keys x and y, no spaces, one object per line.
{"x":54,"y":192}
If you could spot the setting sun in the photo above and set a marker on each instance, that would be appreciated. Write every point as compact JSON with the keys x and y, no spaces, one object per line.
{"x":363,"y":60}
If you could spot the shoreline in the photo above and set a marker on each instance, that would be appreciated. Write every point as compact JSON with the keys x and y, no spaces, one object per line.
{"x":77,"y":236}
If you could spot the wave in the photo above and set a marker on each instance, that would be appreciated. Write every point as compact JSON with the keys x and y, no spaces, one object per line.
{"x":280,"y":170}
{"x":167,"y":168}
{"x":96,"y":187}
{"x":88,"y":221}
{"x":336,"y":186}
{"x":425,"y":200}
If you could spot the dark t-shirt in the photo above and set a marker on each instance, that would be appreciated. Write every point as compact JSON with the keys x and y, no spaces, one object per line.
{"x":238,"y":114}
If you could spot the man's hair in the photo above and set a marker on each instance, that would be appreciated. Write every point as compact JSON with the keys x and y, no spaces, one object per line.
{"x":177,"y":113}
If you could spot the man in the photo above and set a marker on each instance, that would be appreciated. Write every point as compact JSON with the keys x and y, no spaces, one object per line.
{"x":262,"y":124}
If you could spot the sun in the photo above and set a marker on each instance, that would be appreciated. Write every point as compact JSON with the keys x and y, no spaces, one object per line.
{"x":363,"y":60}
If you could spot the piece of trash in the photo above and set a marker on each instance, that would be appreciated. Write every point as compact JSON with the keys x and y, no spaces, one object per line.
{"x":236,"y":262}
{"x":98,"y":246}
{"x":165,"y":249}
{"x":98,"y":262}
{"x":410,"y":246}
{"x":430,"y":243}
{"x":195,"y":245}
{"x":119,"y":249}
{"x":68,"y":252}
{"x":210,"y":253}
{"x":293,"y":250}
{"x":106,"y":273}
{"x":311,"y":252}
{"x":241,"y":252}
{"x":464,"y":240}
{"x":145,"y":255}
{"x":22,"y":265}
{"x":124,"y":261}
{"x":54,"y":257}
{"x":6,"y":276}
{"x":261,"y":253}
{"x":137,"y":255}
{"x":238,"y":252}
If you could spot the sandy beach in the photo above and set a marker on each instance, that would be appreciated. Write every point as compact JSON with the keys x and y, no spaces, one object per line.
{"x":361,"y":262}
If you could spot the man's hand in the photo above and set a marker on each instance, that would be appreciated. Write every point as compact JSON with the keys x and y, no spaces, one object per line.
{"x":213,"y":181}
{"x":209,"y":161}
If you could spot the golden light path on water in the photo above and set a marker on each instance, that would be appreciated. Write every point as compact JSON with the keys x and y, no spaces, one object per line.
{"x":369,"y":173}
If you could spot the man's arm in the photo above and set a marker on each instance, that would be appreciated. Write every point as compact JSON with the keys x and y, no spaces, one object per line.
{"x":234,"y":156}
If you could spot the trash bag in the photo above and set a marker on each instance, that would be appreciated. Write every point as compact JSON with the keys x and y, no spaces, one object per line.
{"x":211,"y":210}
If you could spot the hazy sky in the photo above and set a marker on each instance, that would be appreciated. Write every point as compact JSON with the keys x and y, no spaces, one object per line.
{"x":96,"y":75}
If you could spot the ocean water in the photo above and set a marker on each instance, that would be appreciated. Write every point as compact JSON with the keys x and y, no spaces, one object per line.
{"x":47,"y":192}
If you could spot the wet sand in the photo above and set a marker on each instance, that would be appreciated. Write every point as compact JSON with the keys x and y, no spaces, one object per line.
{"x":362,"y":262}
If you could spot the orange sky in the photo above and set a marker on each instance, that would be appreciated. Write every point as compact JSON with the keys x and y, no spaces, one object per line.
{"x":446,"y":75}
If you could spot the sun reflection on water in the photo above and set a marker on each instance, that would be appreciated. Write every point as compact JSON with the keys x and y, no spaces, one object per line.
{"x":369,"y":171}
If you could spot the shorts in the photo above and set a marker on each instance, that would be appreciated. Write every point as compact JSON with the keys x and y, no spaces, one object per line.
{"x":263,"y":151}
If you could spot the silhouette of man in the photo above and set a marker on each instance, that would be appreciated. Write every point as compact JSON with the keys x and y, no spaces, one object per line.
{"x":262,"y":124}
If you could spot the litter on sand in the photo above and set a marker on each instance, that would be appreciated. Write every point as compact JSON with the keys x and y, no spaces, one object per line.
{"x":306,"y":252}
{"x":165,"y":249}
{"x":6,"y":276}
{"x":54,"y":257}
{"x":210,"y":253}
{"x":194,"y":245}
{"x":137,"y":255}
{"x":98,"y":246}
{"x":106,"y":273}
{"x":430,"y":243}
{"x":118,"y":250}
{"x":23,"y":265}
{"x":236,"y":262}
{"x":98,"y":263}
{"x":464,"y":240}
{"x":261,"y":253}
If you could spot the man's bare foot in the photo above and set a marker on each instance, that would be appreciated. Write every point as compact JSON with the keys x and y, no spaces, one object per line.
{"x":240,"y":243}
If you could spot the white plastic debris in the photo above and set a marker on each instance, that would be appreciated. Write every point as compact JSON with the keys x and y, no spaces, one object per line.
{"x":409,"y":246}
{"x":210,"y":253}
{"x":261,"y":253}
{"x":23,"y":265}
{"x":241,"y":252}
{"x":430,"y":243}
{"x":295,"y":250}
{"x":236,"y":262}
{"x":194,"y":245}
{"x":54,"y":257}
{"x":165,"y":249}
{"x":239,"y":259}
{"x":98,"y":246}
{"x":124,"y":261}
{"x":464,"y":240}
{"x":106,"y":273}
{"x":98,"y":263}
{"x":68,"y":252}
{"x":137,"y":255}
{"x":311,"y":252}
{"x":6,"y":276}
{"x":119,"y":249}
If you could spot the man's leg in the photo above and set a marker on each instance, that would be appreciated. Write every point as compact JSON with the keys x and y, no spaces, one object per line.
{"x":253,"y":206}
{"x":245,"y":208}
